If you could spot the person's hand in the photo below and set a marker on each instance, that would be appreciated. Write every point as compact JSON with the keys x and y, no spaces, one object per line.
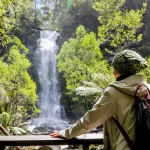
{"x":55,"y":134}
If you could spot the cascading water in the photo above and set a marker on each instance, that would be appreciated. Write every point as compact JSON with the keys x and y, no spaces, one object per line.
{"x":49,"y":96}
{"x":52,"y":112}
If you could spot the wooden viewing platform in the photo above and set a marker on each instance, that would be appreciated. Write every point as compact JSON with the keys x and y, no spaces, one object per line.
{"x":33,"y":140}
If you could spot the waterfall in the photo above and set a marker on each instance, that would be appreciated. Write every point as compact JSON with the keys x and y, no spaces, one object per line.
{"x":52,"y":113}
{"x":49,"y":95}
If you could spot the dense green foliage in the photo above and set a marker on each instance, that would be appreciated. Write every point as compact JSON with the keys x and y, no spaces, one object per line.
{"x":146,"y":72}
{"x":80,"y":59}
{"x":17,"y":83}
{"x":118,"y":27}
{"x":90,"y":30}
{"x":6,"y":121}
{"x":18,"y":91}
{"x":6,"y":23}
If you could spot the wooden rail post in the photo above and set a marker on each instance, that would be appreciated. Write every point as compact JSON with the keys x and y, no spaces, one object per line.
{"x":4,"y":131}
{"x":86,"y":147}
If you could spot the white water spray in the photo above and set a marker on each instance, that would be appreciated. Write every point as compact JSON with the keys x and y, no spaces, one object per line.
{"x":49,"y":93}
{"x":49,"y":96}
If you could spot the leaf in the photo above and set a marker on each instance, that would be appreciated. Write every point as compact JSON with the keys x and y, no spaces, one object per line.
{"x":5,"y":118}
{"x":86,"y":91}
{"x":118,"y":27}
{"x":18,"y":131}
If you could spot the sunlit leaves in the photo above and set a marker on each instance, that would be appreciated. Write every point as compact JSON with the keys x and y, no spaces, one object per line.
{"x":10,"y":13}
{"x":146,"y":72}
{"x":6,"y":22}
{"x":4,"y":120}
{"x":16,"y":82}
{"x":118,"y":27}
{"x":79,"y":58}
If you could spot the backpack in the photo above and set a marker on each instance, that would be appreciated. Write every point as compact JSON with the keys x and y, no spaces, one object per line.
{"x":142,"y":130}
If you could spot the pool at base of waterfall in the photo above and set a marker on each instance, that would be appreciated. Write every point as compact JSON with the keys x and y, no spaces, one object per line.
{"x":46,"y":126}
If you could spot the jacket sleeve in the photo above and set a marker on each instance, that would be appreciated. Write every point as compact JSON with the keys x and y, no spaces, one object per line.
{"x":101,"y":111}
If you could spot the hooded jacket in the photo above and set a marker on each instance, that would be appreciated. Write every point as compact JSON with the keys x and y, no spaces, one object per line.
{"x":117,"y":101}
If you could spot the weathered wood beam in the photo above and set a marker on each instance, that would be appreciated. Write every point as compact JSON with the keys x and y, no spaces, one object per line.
{"x":31,"y":140}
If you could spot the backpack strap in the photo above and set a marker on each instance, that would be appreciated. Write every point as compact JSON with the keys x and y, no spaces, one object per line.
{"x":139,"y":88}
{"x":146,"y":96}
{"x":126,"y":137}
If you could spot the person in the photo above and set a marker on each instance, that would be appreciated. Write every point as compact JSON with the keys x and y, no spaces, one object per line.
{"x":117,"y":101}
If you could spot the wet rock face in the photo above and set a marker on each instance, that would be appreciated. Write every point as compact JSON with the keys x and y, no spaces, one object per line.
{"x":38,"y":130}
{"x":43,"y":130}
{"x":47,"y":128}
{"x":38,"y":126}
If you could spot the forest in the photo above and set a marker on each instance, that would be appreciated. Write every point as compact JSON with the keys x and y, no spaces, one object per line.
{"x":90,"y":33}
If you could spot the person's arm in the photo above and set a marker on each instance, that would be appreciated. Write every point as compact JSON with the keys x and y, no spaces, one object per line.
{"x":100,"y":112}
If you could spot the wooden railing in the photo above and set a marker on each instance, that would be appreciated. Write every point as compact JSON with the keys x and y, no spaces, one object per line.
{"x":32,"y":140}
